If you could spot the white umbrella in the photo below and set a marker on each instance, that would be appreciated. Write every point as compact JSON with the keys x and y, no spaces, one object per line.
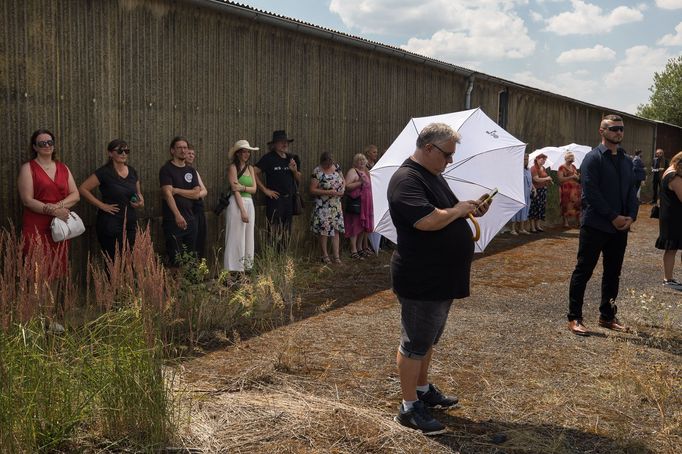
{"x":488,"y":157}
{"x":554,"y":154}
{"x":579,"y":151}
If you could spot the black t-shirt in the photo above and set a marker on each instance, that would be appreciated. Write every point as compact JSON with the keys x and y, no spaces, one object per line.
{"x":116,"y":190}
{"x":278,"y":176}
{"x":434,"y":265}
{"x":180,"y":178}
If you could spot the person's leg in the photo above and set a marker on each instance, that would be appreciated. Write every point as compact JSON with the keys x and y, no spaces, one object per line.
{"x":409,"y":370}
{"x":335,"y":246}
{"x":668,"y":264}
{"x":589,"y":248}
{"x":612,"y":257}
{"x":423,"y":378}
{"x":323,"y":246}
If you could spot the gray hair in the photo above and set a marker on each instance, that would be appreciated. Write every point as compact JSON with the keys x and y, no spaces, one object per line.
{"x":437,"y":132}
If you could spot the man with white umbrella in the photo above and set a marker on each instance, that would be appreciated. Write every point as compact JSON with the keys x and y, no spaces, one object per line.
{"x":430,"y":267}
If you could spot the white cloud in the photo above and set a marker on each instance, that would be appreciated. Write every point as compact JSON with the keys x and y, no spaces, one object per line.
{"x":575,"y":84}
{"x":596,"y":53}
{"x":636,"y":71}
{"x":451,"y":31}
{"x":535,"y":16}
{"x":672,"y":39}
{"x":587,"y":18}
{"x":669,"y":4}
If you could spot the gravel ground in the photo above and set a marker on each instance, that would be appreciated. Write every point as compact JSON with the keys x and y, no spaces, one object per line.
{"x":327,"y":383}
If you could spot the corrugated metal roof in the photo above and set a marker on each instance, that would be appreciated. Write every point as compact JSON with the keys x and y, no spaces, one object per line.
{"x":334,"y":35}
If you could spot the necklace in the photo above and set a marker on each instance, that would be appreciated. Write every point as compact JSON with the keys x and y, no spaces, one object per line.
{"x":46,"y":167}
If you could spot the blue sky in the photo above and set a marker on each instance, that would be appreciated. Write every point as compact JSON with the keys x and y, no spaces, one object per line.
{"x":604,"y":52}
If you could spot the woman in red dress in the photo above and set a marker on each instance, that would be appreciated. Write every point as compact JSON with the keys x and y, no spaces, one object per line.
{"x":47,"y":190}
{"x":570,"y":190}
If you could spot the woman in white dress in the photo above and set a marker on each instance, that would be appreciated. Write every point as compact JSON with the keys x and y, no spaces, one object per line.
{"x":241,"y":215}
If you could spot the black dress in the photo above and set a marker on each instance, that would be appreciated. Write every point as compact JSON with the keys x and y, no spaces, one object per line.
{"x":670,"y":220}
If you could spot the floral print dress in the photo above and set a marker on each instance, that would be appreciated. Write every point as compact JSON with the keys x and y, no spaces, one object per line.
{"x":327,"y":216}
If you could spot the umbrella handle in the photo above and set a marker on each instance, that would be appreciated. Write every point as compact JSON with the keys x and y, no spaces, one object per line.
{"x":477,"y":227}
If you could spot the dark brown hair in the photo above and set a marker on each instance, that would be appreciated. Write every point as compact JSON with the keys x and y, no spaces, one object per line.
{"x":32,"y":152}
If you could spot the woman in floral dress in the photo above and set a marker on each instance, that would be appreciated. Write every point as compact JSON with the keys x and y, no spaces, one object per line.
{"x":570,"y":191}
{"x":327,"y":186}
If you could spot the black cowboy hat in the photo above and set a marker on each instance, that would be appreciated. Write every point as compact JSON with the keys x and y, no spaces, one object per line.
{"x":279,"y":135}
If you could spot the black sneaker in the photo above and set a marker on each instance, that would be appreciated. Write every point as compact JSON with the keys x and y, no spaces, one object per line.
{"x":672,"y":283}
{"x":419,"y":418}
{"x":434,"y":398}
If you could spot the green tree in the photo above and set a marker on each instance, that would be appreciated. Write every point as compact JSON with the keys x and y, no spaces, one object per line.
{"x":665,"y":102}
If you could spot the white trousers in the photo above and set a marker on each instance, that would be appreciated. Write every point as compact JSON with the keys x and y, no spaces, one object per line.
{"x":239,"y":236}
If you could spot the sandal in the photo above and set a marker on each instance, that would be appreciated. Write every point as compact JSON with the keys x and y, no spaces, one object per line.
{"x":356,"y":256}
{"x":367,"y":252}
{"x":337,"y":259}
{"x":326,"y":259}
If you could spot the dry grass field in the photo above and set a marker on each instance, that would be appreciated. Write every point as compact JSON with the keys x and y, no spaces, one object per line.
{"x":327,"y":383}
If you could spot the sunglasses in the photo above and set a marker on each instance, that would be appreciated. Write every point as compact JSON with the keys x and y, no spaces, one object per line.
{"x":45,"y":143}
{"x":616,"y":128}
{"x":122,"y":150}
{"x":445,"y":154}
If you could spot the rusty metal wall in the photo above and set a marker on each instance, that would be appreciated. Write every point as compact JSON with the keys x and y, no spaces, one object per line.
{"x":145,"y":71}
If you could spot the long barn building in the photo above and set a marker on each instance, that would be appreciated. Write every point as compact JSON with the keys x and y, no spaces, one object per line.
{"x":215,"y":71}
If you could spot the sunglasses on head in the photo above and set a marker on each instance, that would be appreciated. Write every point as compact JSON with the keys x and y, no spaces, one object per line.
{"x":45,"y":143}
{"x":122,"y":150}
{"x":616,"y":128}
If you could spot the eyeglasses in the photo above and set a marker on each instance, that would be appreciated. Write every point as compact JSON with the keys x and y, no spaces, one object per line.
{"x":616,"y":128}
{"x":45,"y":143}
{"x":122,"y":150}
{"x":446,"y":155}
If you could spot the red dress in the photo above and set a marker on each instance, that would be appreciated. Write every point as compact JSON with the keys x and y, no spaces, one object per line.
{"x":36,"y":226}
{"x":570,"y":192}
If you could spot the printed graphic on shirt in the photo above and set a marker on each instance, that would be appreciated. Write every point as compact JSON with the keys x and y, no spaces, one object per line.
{"x":188,"y":177}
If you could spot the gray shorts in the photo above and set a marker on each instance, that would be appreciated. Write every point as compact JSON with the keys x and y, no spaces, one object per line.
{"x":421,"y":325}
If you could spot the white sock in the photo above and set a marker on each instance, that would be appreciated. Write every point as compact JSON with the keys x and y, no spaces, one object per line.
{"x":423,"y":388}
{"x":408,"y":404}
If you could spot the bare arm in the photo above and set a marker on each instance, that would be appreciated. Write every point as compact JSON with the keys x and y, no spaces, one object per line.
{"x":167,"y":194}
{"x":236,"y":189}
{"x":259,"y":183}
{"x":440,"y":218}
{"x":86,"y":189}
{"x":140,"y":198}
{"x":352,"y":180}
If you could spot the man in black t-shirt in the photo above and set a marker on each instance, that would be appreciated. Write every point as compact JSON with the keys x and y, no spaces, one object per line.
{"x":282,"y":174}
{"x":179,"y":223}
{"x":429,"y":268}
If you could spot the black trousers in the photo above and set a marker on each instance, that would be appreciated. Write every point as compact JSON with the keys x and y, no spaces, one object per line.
{"x":109,"y":243}
{"x":178,"y":240}
{"x":279,"y":213}
{"x":200,"y":217}
{"x":611,"y":246}
{"x":656,"y":185}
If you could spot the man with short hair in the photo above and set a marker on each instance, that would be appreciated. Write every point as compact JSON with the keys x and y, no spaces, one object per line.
{"x":282,"y":174}
{"x":659,"y":166}
{"x":430,"y":267}
{"x":609,"y":208}
{"x":372,"y":155}
{"x":178,"y":221}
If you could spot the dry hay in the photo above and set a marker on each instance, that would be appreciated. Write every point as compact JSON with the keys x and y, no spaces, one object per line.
{"x":268,"y":419}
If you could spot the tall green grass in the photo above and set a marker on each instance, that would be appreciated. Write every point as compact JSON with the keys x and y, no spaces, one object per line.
{"x":102,"y":380}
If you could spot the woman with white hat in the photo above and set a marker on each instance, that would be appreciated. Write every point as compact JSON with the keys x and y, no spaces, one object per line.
{"x":241,"y":215}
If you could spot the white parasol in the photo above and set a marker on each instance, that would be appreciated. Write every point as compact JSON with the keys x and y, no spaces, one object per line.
{"x":579,"y":151}
{"x":488,"y":157}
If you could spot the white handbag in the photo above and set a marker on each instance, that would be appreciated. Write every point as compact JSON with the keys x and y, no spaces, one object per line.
{"x":66,"y":230}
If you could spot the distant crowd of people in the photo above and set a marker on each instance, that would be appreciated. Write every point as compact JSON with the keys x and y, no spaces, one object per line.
{"x":48,"y":190}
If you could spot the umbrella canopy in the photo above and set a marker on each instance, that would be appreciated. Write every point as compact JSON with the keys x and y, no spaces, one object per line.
{"x":579,"y":151}
{"x":555,"y":155}
{"x":485,"y":159}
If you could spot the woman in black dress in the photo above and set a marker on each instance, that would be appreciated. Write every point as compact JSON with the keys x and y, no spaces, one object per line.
{"x":119,"y":186}
{"x":670,"y":220}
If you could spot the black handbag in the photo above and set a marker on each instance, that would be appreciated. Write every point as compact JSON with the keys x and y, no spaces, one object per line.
{"x":655,"y":212}
{"x":352,"y":205}
{"x":297,"y":201}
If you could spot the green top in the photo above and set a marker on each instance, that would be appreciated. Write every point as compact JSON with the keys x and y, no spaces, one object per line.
{"x":245,"y":180}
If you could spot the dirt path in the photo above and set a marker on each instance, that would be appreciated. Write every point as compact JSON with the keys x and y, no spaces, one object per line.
{"x":328,"y":383}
